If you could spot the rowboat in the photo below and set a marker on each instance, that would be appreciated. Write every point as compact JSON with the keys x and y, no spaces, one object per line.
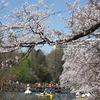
{"x":49,"y":92}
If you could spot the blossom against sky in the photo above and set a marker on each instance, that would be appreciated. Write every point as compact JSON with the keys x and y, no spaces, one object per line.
{"x":58,"y":5}
{"x":55,"y":23}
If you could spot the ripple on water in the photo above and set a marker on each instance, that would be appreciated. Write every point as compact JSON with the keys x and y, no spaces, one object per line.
{"x":22,"y":96}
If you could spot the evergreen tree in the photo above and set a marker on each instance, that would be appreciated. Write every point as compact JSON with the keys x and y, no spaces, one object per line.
{"x":39,"y":66}
{"x":54,"y":63}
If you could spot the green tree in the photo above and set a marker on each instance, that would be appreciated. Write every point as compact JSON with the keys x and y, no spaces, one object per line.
{"x":33,"y":58}
{"x":43,"y":73}
{"x":22,"y":71}
{"x":39,"y":66}
{"x":54,"y":63}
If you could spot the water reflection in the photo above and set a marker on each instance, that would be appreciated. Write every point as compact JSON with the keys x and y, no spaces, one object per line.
{"x":22,"y":96}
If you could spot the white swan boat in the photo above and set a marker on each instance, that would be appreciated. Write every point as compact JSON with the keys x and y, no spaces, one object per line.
{"x":28,"y":91}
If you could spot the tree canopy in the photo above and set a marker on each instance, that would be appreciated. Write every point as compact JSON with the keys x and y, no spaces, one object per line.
{"x":34,"y":68}
{"x":81,"y":69}
{"x":27,"y":29}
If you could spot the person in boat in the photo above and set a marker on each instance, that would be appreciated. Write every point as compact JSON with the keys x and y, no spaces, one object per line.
{"x":49,"y":91}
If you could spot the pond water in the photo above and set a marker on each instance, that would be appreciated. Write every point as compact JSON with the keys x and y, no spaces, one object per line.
{"x":22,"y":96}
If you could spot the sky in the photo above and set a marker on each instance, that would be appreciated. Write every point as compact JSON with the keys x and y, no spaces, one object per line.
{"x":56,"y":23}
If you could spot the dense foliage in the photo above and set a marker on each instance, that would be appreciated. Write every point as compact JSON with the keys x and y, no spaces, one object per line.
{"x":81,"y":70}
{"x":38,"y":67}
{"x":54,"y":63}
